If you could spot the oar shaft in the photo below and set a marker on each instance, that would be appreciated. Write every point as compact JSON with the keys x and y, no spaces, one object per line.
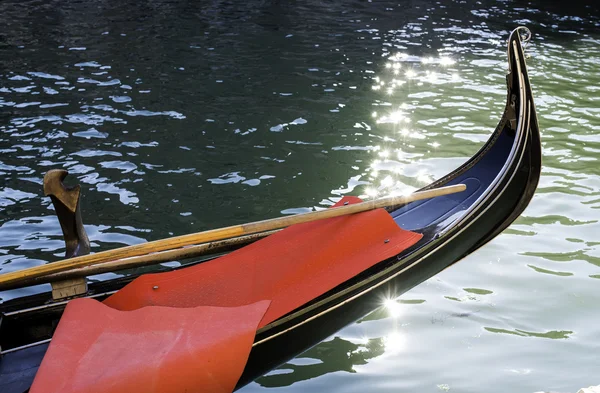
{"x":152,"y":259}
{"x":12,"y":280}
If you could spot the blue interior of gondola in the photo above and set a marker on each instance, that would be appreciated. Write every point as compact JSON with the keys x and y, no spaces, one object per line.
{"x":431,"y":215}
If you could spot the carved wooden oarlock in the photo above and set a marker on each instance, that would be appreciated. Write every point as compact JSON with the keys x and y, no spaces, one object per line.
{"x":66,"y":201}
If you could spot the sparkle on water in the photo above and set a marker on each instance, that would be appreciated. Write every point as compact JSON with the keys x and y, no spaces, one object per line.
{"x":393,"y":307}
{"x":399,"y":119}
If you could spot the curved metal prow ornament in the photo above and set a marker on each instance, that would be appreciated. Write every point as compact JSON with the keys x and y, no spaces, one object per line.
{"x":66,"y":201}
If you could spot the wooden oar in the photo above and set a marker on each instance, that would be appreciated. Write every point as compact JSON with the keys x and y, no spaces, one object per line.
{"x":211,"y":248}
{"x":12,"y":280}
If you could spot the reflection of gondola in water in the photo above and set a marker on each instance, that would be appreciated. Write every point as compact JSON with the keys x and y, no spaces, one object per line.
{"x":500,"y":181}
{"x":326,"y":357}
{"x":339,"y":354}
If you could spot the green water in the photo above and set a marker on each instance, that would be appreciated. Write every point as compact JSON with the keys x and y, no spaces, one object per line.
{"x":179,"y":117}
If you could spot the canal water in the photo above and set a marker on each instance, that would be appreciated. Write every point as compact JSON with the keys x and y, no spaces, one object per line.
{"x":177,"y":117}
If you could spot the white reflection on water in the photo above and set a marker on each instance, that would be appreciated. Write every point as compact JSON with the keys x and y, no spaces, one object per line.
{"x":446,"y":61}
{"x":393,"y":307}
{"x":386,"y":172}
{"x":394,"y":342}
{"x":394,"y":118}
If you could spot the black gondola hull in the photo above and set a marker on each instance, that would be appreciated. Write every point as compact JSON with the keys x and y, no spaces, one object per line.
{"x":272,"y":353}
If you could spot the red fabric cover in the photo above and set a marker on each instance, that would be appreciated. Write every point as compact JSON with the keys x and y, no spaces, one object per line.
{"x":97,"y":349}
{"x":290,"y":267}
{"x":192,"y":330}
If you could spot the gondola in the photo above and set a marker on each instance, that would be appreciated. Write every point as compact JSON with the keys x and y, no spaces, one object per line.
{"x":500,"y":180}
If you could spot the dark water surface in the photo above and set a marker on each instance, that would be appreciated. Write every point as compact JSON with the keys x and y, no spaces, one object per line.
{"x":182,"y":116}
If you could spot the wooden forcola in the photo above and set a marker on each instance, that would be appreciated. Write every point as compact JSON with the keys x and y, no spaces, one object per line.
{"x":67,"y":204}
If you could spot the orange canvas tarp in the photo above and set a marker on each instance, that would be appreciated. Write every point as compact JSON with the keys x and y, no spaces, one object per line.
{"x":97,"y":349}
{"x":290,"y":267}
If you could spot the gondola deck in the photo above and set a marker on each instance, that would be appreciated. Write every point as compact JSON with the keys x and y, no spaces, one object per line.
{"x":501,"y":179}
